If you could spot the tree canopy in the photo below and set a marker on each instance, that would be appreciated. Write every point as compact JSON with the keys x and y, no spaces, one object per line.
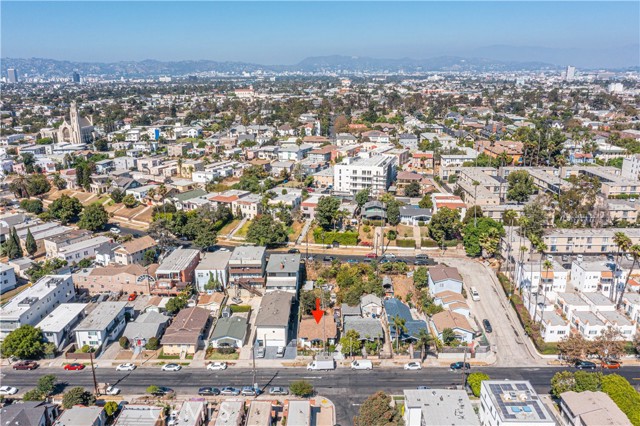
{"x":445,"y":225}
{"x":94,"y":217}
{"x":24,"y":342}
{"x":521,"y":186}
{"x":264,"y":230}
{"x":377,"y":411}
{"x":326,"y":211}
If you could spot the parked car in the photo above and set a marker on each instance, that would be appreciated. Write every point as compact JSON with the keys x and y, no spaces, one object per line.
{"x":162,"y":391}
{"x":280,"y":352}
{"x":171,"y":367}
{"x":260,"y":352}
{"x":352,"y":260}
{"x":217,"y":366}
{"x":250,"y":391}
{"x":421,"y":262}
{"x":8,"y":390}
{"x":328,"y":259}
{"x":585,"y":365}
{"x":293,"y":251}
{"x":457,"y":366}
{"x":278,"y":390}
{"x":611,"y":364}
{"x":115,"y":231}
{"x":126,"y":367}
{"x":74,"y":366}
{"x":423,"y":387}
{"x":413,"y":366}
{"x":229,"y":391}
{"x":389,"y":256}
{"x":487,"y":325}
{"x":364,"y":364}
{"x":365,"y":243}
{"x":25,"y":365}
{"x":112,"y":390}
{"x":422,"y":256}
{"x":208,"y":391}
{"x":371,"y":256}
{"x":132,"y":297}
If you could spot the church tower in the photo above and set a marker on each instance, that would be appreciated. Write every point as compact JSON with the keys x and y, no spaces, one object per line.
{"x":76,"y":129}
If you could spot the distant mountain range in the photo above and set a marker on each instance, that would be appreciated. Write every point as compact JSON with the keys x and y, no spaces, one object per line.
{"x":149,"y":68}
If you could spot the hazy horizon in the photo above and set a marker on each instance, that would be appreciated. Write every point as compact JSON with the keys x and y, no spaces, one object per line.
{"x":585,"y":34}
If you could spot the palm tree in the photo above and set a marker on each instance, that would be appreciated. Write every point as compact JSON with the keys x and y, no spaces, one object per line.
{"x":425,"y":340}
{"x":541,"y":248}
{"x":623,"y":242}
{"x":400,"y":327}
{"x":547,"y":265}
{"x":635,"y":252}
{"x":475,"y":202}
{"x":489,"y":242}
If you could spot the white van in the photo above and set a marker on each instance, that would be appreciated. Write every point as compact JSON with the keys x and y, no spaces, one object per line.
{"x":475,"y":296}
{"x":364,"y":364}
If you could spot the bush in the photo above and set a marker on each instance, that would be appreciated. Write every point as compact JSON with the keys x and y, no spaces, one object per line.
{"x":406,"y":243}
{"x":301,"y":388}
{"x":124,"y":342}
{"x":240,"y":308}
{"x":152,"y":389}
{"x":475,"y":381}
{"x":624,"y":395}
{"x":428,"y":242}
{"x":152,"y":344}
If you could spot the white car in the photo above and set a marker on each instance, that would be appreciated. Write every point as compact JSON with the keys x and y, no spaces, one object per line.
{"x":8,"y":390}
{"x":115,"y":231}
{"x":413,"y":366}
{"x":112,"y":390}
{"x":171,"y":367}
{"x":217,"y":366}
{"x":126,"y":367}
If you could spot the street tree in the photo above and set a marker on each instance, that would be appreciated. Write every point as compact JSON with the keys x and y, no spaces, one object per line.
{"x":301,"y":388}
{"x":94,"y":217}
{"x":350,"y":343}
{"x":24,"y":342}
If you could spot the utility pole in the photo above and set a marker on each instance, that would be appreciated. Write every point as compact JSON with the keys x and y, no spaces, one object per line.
{"x":93,"y":372}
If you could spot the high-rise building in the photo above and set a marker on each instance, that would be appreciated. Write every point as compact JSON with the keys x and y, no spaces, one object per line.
{"x":75,"y":77}
{"x":12,"y":75}
{"x":570,"y":74}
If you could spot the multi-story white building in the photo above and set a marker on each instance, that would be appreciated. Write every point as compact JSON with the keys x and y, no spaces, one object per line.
{"x":7,"y":278}
{"x":36,"y":302}
{"x":81,"y":250}
{"x":213,"y":266}
{"x":512,"y":402}
{"x":103,"y":325}
{"x":355,"y":174}
{"x":530,"y":275}
{"x":56,"y":327}
{"x":631,"y":167}
{"x":588,"y":277}
{"x":438,"y":407}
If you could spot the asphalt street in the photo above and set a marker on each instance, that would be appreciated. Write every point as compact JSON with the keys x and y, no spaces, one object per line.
{"x":347,"y":389}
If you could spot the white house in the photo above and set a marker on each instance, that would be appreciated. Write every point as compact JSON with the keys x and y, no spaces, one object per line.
{"x":588,"y":277}
{"x":82,"y":249}
{"x":7,"y":278}
{"x":58,"y":325}
{"x":273,"y":319}
{"x":283,"y":273}
{"x":444,"y":278}
{"x":103,"y":325}
{"x":213,"y":266}
{"x":371,"y":305}
{"x":553,"y":327}
{"x":457,"y":322}
{"x":589,"y":324}
{"x":570,"y":304}
{"x":554,"y":279}
{"x":631,"y":306}
{"x":36,"y":302}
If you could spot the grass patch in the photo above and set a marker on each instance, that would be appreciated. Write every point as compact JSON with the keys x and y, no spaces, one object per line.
{"x":229,"y":227}
{"x":217,"y":356}
{"x":162,"y":355}
{"x":240,"y":308}
{"x":242,"y":232}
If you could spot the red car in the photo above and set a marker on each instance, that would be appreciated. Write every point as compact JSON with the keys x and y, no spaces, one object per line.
{"x":611,"y":365}
{"x":25,"y":365}
{"x":74,"y":366}
{"x":132,"y":297}
{"x":311,"y":190}
{"x":365,"y":243}
{"x":371,"y":256}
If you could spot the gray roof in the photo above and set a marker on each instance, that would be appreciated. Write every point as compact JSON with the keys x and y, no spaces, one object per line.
{"x":215,"y":261}
{"x":414,"y":211}
{"x":61,"y":316}
{"x":553,"y":319}
{"x":442,"y":407}
{"x":147,"y":325}
{"x":275,"y":309}
{"x":232,"y":327}
{"x":364,"y":326}
{"x":178,"y":260}
{"x":79,"y":416}
{"x":101,"y":316}
{"x":370,"y":298}
{"x":247,"y":254}
{"x":283,"y":263}
{"x":350,"y":310}
{"x":28,"y":413}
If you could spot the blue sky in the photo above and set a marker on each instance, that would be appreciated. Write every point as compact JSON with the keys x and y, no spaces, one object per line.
{"x":287,"y":32}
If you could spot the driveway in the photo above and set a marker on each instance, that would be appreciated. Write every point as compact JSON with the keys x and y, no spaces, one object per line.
{"x":508,"y":335}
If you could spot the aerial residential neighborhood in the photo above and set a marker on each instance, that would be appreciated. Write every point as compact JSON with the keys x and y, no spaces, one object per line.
{"x":343,"y":240}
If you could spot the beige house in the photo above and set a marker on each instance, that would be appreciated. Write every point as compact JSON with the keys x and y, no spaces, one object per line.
{"x":126,"y":279}
{"x":187,"y":332}
{"x":133,"y":251}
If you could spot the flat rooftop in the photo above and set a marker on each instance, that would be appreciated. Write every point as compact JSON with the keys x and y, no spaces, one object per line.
{"x":284,"y":263}
{"x":101,"y":316}
{"x":178,"y":260}
{"x":516,"y":402}
{"x":247,"y":255}
{"x":442,"y":407}
{"x":61,"y":316}
{"x":214,"y":261}
{"x":23,"y":301}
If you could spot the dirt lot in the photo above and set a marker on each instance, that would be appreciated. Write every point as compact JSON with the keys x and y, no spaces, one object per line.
{"x":403,"y":285}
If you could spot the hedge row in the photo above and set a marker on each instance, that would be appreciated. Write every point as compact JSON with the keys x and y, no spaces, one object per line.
{"x":406,"y":243}
{"x":344,"y":238}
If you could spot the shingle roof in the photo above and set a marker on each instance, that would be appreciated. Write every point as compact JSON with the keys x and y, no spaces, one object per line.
{"x":275,"y":309}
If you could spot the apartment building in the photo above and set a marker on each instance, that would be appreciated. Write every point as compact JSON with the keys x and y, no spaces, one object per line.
{"x":7,"y":278}
{"x":53,"y":243}
{"x":247,"y":266}
{"x":213,"y":266}
{"x":512,"y":402}
{"x":453,"y":202}
{"x":375,"y":173}
{"x":587,"y":240}
{"x":133,"y":251}
{"x":532,"y":274}
{"x":283,"y":273}
{"x":36,"y":302}
{"x":588,"y":277}
{"x":75,"y":252}
{"x":58,"y":325}
{"x":115,"y":279}
{"x":103,"y":325}
{"x":179,"y":266}
{"x":438,"y":407}
{"x":631,"y":167}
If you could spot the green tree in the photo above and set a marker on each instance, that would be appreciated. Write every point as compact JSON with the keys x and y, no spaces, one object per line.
{"x":533,"y":219}
{"x":486,"y":234}
{"x":117,"y":195}
{"x":472,"y":215}
{"x":587,"y":381}
{"x":175,"y":304}
{"x":66,"y":209}
{"x":30,"y":243}
{"x":521,"y":186}
{"x":33,"y":395}
{"x":377,"y":411}
{"x":153,"y":344}
{"x":207,"y":237}
{"x":24,"y":342}
{"x":426,"y":202}
{"x":445,"y":225}
{"x":301,"y":388}
{"x":326,"y":211}
{"x":124,"y":342}
{"x":264,"y":230}
{"x":393,"y":213}
{"x":421,"y":277}
{"x":37,"y":184}
{"x":412,"y":190}
{"x":58,"y":182}
{"x":111,"y":408}
{"x":448,"y":336}
{"x":213,"y":283}
{"x":33,"y":206}
{"x":351,"y":343}
{"x":624,"y":395}
{"x":424,"y":341}
{"x":77,"y":396}
{"x":152,"y":389}
{"x":362,"y":197}
{"x":94,"y":217}
{"x":46,"y":384}
{"x":149,"y":257}
{"x":399,"y":327}
{"x":561,"y":382}
{"x":510,"y":217}
{"x":129,"y":201}
{"x":475,"y":382}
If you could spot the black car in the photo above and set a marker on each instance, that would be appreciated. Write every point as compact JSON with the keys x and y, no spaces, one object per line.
{"x":293,"y":251}
{"x":487,"y":325}
{"x":328,"y":258}
{"x":420,"y":262}
{"x":455,"y":366}
{"x":585,"y":365}
{"x":162,"y":391}
{"x":208,"y":391}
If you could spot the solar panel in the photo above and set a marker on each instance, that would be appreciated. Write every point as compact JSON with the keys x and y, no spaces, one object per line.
{"x":526,"y":409}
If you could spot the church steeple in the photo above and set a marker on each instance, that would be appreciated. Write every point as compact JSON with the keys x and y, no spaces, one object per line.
{"x":76,"y":128}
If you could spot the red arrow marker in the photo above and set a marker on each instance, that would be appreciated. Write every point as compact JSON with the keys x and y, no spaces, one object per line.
{"x":318,"y":313}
